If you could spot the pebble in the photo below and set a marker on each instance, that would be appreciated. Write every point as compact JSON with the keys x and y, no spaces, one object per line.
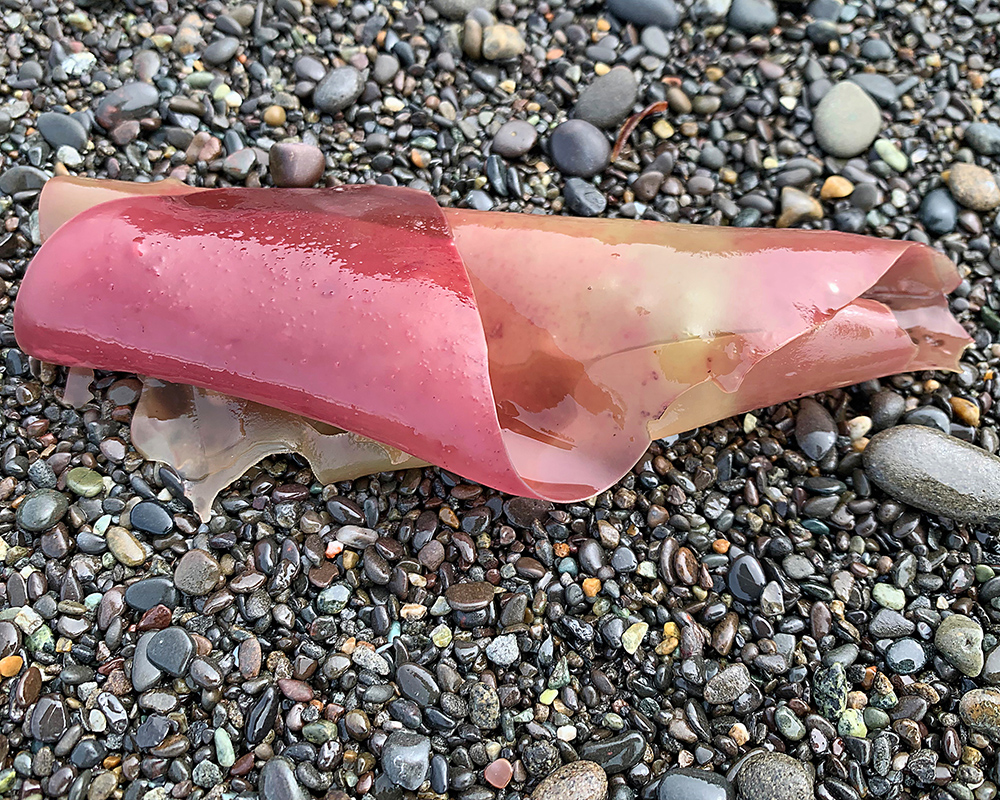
{"x":84,"y":482}
{"x":406,"y":759}
{"x":62,"y":130}
{"x":846,"y":121}
{"x":727,"y":685}
{"x":983,"y":137}
{"x":459,"y":9}
{"x":935,"y":472}
{"x":197,"y":573}
{"x":130,"y":102}
{"x":939,"y":212}
{"x":609,"y":99}
{"x":746,"y":579}
{"x":815,"y":430}
{"x":774,"y":776}
{"x":752,"y":16}
{"x":514,"y":139}
{"x":221,"y":51}
{"x":340,"y":88}
{"x":501,"y":42}
{"x":579,"y":148}
{"x":296,"y":165}
{"x":41,"y":509}
{"x":583,"y":198}
{"x":578,"y":780}
{"x":503,"y":650}
{"x":960,"y":640}
{"x":974,"y":187}
{"x":694,"y":784}
{"x":277,"y":781}
{"x":906,"y":656}
{"x":125,"y":547}
{"x":662,"y":13}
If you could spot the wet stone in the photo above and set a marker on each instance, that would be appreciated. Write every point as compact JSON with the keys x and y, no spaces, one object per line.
{"x":662,"y":13}
{"x":752,"y":16}
{"x":171,"y":650}
{"x":983,"y":137}
{"x":417,"y":684}
{"x":503,"y":650}
{"x":974,"y":187}
{"x":84,"y":482}
{"x":339,"y":89}
{"x":583,"y":198}
{"x":935,"y":472}
{"x":746,"y":578}
{"x":616,"y":753}
{"x":484,"y":706}
{"x":939,"y":212}
{"x":694,"y":784}
{"x":151,"y":517}
{"x":145,"y":674}
{"x":578,"y":780}
{"x":41,"y":509}
{"x":906,"y":656}
{"x":277,"y":781}
{"x":815,"y":430}
{"x":295,"y":165}
{"x":62,"y":130}
{"x":131,"y":101}
{"x":846,"y":121}
{"x":125,"y":547}
{"x":406,"y":759}
{"x":49,"y":719}
{"x":830,"y":688}
{"x":727,"y":685}
{"x":197,"y":573}
{"x":150,"y":592}
{"x":471,"y":596}
{"x":221,"y":51}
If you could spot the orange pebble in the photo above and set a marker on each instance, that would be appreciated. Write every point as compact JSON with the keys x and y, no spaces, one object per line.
{"x":10,"y":666}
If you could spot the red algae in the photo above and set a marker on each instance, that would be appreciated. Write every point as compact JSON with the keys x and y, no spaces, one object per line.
{"x":537,"y":355}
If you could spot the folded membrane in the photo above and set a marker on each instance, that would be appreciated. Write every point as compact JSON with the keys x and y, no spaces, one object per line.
{"x":535,"y":354}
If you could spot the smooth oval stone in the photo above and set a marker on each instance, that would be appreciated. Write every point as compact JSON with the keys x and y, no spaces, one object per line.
{"x":846,"y":121}
{"x":939,"y":212}
{"x":774,"y":776}
{"x":484,"y":706}
{"x":815,"y":430}
{"x":295,"y":165}
{"x":131,"y":101}
{"x":616,"y":753}
{"x":277,"y":781}
{"x":171,"y":650}
{"x":262,"y":715}
{"x":84,"y":482}
{"x":471,"y":596}
{"x":906,"y":656}
{"x":61,"y":130}
{"x":578,"y":780}
{"x":578,"y":148}
{"x":149,"y":592}
{"x":22,"y":178}
{"x":727,"y":685}
{"x":406,"y":759}
{"x":41,"y":509}
{"x":983,"y":137}
{"x":746,"y":579}
{"x":416,"y":683}
{"x":752,"y":16}
{"x":608,"y":100}
{"x":340,"y":88}
{"x":694,"y":784}
{"x":49,"y":718}
{"x":151,"y":517}
{"x":221,"y":51}
{"x":145,"y":674}
{"x":960,"y":640}
{"x":935,"y":472}
{"x":514,"y":139}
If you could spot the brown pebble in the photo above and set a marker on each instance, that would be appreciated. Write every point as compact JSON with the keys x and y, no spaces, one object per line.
{"x":974,"y":187}
{"x":296,"y":165}
{"x":274,"y":116}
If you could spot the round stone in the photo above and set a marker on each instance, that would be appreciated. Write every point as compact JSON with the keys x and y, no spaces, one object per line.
{"x":774,"y":776}
{"x":727,"y":685}
{"x":125,"y":547}
{"x":752,"y":16}
{"x":935,"y":472}
{"x":221,"y":51}
{"x":295,"y":165}
{"x":41,"y":509}
{"x":579,"y":148}
{"x":277,"y":781}
{"x":697,"y":784}
{"x":974,"y":187}
{"x":983,"y":137}
{"x":746,"y":579}
{"x":578,"y":780}
{"x":471,"y":596}
{"x":609,"y":99}
{"x":514,"y":139}
{"x":84,"y":482}
{"x":939,"y":212}
{"x":501,"y":42}
{"x":846,"y":121}
{"x":197,"y":573}
{"x":151,"y":517}
{"x":906,"y":656}
{"x":406,"y":759}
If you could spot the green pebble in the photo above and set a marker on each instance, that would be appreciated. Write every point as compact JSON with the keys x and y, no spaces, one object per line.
{"x":852,"y":723}
{"x":560,"y":676}
{"x":7,"y":777}
{"x":789,"y":724}
{"x":568,"y":565}
{"x":84,"y":482}
{"x":886,"y":701}
{"x":875,"y":718}
{"x":333,"y":599}
{"x":441,"y":636}
{"x":613,"y":721}
{"x":321,"y":731}
{"x":888,"y":596}
{"x":199,"y":80}
{"x":547,"y":696}
{"x":601,"y":606}
{"x":984,"y":572}
{"x":224,"y":752}
{"x":633,"y":637}
{"x":647,"y":569}
{"x":891,"y":155}
{"x":42,"y":641}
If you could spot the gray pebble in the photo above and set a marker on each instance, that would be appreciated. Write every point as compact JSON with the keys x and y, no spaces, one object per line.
{"x":578,"y":148}
{"x":846,"y":121}
{"x":609,"y":99}
{"x":339,"y":89}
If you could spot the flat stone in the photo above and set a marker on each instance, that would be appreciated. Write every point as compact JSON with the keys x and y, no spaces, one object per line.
{"x":515,"y":138}
{"x":694,"y":784}
{"x":774,"y":776}
{"x":815,"y":430}
{"x":609,"y":99}
{"x":22,"y":178}
{"x":583,"y":199}
{"x":578,"y":780}
{"x":983,"y":137}
{"x":935,"y":472}
{"x":62,"y":130}
{"x":151,"y":517}
{"x":406,"y":759}
{"x":197,"y":573}
{"x":727,"y":685}
{"x":277,"y":781}
{"x":846,"y":121}
{"x":579,"y":148}
{"x":221,"y":51}
{"x":471,"y":596}
{"x":41,"y":509}
{"x":171,"y":650}
{"x":416,"y":683}
{"x":503,"y":650}
{"x":746,"y":578}
{"x":131,"y":101}
{"x":939,"y":212}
